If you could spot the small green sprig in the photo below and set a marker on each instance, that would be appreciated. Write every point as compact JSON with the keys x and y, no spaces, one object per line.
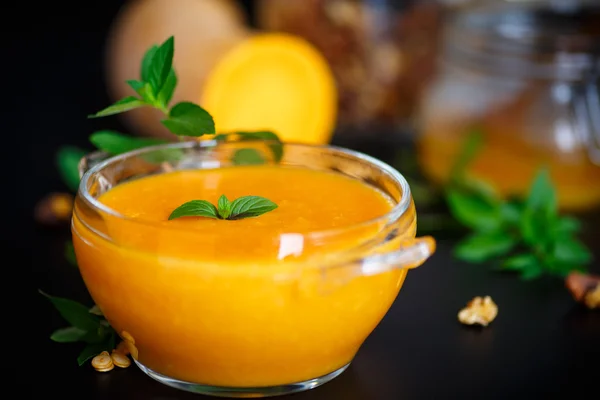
{"x":87,"y":325}
{"x":526,"y":235}
{"x":242,"y":207}
{"x":155,"y":89}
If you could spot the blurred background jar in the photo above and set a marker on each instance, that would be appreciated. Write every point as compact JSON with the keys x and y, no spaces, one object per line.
{"x":381,"y":53}
{"x":526,"y":74}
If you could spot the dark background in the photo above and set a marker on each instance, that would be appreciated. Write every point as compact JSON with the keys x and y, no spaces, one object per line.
{"x":52,"y":77}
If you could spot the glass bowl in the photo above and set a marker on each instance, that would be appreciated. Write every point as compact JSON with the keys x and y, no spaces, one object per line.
{"x":256,"y":329}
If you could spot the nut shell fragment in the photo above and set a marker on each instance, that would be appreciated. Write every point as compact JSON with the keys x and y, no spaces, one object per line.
{"x":103,"y":362}
{"x":480,"y":311}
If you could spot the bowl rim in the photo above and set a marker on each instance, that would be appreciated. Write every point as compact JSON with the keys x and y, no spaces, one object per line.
{"x":393,"y":215}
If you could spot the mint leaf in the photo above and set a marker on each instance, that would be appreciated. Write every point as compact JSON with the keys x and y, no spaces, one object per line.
{"x":541,"y":210}
{"x":96,"y":311}
{"x":471,"y":146}
{"x":160,"y":66}
{"x":250,"y":206}
{"x":247,"y":157}
{"x":224,"y":207}
{"x":68,"y":159}
{"x":276,"y":148}
{"x":136,"y":85}
{"x":147,"y":63}
{"x":571,"y":251}
{"x":115,"y":143}
{"x":75,"y":313}
{"x":473,"y":209}
{"x":165,"y":95}
{"x":68,"y":335}
{"x":567,"y":226}
{"x":189,"y":119}
{"x":483,"y":246}
{"x":126,"y":104}
{"x":521,"y":262}
{"x":195,"y":208}
{"x":511,"y":213}
{"x":70,"y":253}
{"x":533,"y":271}
{"x":542,"y":195}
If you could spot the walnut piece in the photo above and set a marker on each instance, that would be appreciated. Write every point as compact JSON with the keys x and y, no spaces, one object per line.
{"x":592,"y":298}
{"x":55,"y":208}
{"x":584,"y":288}
{"x":479,"y":311}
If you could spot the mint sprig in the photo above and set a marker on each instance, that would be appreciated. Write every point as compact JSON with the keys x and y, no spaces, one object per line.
{"x":242,"y":207}
{"x":67,"y":160}
{"x":526,"y":235}
{"x":155,"y":89}
{"x":85,"y":326}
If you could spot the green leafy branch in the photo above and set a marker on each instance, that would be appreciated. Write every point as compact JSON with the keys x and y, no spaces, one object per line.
{"x":86,"y":325}
{"x":155,"y":89}
{"x":526,"y":235}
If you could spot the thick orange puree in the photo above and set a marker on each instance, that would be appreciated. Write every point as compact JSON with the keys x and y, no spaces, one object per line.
{"x":216,"y":302}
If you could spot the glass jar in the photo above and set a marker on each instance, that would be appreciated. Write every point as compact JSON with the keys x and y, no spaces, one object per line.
{"x":527,"y":76}
{"x":197,"y":319}
{"x":381,"y":53}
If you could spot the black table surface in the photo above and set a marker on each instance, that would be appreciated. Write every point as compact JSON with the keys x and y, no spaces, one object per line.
{"x":541,"y":343}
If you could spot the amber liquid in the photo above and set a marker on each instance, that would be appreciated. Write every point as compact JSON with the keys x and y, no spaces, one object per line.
{"x":519,"y":138}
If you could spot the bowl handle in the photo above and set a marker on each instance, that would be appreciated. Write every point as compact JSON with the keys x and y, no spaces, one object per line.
{"x":411,"y":254}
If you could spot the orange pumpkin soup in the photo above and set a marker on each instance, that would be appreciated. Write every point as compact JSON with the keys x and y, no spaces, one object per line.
{"x":237,"y":303}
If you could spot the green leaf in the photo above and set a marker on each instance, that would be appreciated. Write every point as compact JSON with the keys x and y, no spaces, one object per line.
{"x":250,"y":206}
{"x":473,"y":209}
{"x":70,"y":253}
{"x":276,"y":148}
{"x":511,"y":213}
{"x":533,"y":271}
{"x":471,"y":146}
{"x":195,"y":208}
{"x":520,"y":262}
{"x":567,"y":226}
{"x":483,"y":246}
{"x":96,"y":311}
{"x":189,"y":119}
{"x":572,"y":252}
{"x":75,"y":313}
{"x":92,"y":350}
{"x":116,"y":143}
{"x":160,"y":66}
{"x":123,"y":105}
{"x":224,"y":207}
{"x":147,"y":63}
{"x":542,"y":195}
{"x":247,"y":157}
{"x":136,"y":85}
{"x":67,"y":160}
{"x":68,"y":335}
{"x":165,"y":95}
